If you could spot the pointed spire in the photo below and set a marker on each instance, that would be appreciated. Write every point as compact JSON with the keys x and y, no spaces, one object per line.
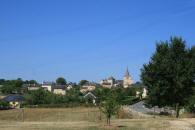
{"x":127,"y":72}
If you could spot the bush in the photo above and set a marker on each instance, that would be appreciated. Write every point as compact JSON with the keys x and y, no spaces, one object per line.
{"x":190,"y":107}
{"x":51,"y":105}
{"x":124,"y":115}
{"x":4,"y":105}
{"x":151,"y":113}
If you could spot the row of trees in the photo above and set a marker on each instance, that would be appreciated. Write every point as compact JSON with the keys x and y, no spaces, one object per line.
{"x":170,"y":75}
{"x":74,"y":96}
{"x":41,"y":97}
{"x":12,"y":86}
{"x":15,"y":86}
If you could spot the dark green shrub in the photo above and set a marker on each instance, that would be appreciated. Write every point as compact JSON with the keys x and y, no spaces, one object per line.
{"x":4,"y":105}
{"x":191,"y":106}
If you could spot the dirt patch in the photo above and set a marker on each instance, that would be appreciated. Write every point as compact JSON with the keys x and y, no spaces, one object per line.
{"x":190,"y":120}
{"x":99,"y":121}
{"x":188,"y":115}
{"x":109,"y":127}
{"x":176,"y":124}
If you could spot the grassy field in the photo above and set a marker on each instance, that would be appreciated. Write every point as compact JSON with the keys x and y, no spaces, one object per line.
{"x":84,"y":119}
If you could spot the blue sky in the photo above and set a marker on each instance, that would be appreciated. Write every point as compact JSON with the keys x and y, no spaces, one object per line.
{"x":87,"y":39}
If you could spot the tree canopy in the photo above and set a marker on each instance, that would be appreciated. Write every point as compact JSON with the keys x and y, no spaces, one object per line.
{"x":110,"y":107}
{"x":169,"y":75}
{"x":12,"y":86}
{"x":30,"y":82}
{"x":61,"y":81}
{"x":82,"y":82}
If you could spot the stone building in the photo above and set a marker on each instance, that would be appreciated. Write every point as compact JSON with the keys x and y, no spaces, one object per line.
{"x":47,"y":85}
{"x":88,"y":87}
{"x":59,"y":89}
{"x":55,"y":88}
{"x":127,"y":80}
{"x":111,"y":82}
{"x":108,"y":83}
{"x":31,"y":86}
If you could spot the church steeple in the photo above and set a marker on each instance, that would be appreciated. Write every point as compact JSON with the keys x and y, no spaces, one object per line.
{"x":127,"y":72}
{"x":127,"y":79}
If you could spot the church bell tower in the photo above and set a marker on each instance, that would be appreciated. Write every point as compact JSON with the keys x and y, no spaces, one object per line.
{"x":127,"y":79}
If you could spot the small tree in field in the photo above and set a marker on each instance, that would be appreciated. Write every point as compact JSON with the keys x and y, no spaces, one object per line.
{"x":110,"y":107}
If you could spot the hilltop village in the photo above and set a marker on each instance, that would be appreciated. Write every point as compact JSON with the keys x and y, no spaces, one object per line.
{"x":87,"y":89}
{"x":110,"y":83}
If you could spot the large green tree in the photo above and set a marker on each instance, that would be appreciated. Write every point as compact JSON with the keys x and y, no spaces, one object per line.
{"x":82,"y":82}
{"x":61,"y":81}
{"x":12,"y":86}
{"x":169,"y":75}
{"x":30,"y":82}
{"x":2,"y":81}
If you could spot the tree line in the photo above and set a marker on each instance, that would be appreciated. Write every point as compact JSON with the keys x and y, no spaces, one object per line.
{"x":73,"y":96}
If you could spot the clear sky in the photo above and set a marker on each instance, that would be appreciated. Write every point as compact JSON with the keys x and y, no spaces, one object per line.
{"x":87,"y":39}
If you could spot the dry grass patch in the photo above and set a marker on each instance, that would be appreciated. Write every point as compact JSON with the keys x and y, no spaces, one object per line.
{"x":187,"y":115}
{"x":51,"y":114}
{"x":109,"y":127}
{"x":81,"y":118}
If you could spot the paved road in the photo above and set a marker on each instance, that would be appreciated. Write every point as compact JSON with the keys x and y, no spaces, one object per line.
{"x":139,"y":107}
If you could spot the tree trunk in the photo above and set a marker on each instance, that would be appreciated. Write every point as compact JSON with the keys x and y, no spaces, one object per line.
{"x":107,"y":120}
{"x":100,"y":118}
{"x":22,"y":114}
{"x":177,"y":110}
{"x":154,"y":112}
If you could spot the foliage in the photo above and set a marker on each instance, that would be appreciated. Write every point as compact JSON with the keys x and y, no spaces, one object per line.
{"x":41,"y":96}
{"x":61,"y":81}
{"x":30,"y":82}
{"x":12,"y":86}
{"x":124,"y":96}
{"x":169,"y":75}
{"x":2,"y":81}
{"x":73,"y":96}
{"x":82,"y":82}
{"x":4,"y":105}
{"x":130,"y":100}
{"x":110,"y":107}
{"x":191,"y":106}
{"x":151,"y":113}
